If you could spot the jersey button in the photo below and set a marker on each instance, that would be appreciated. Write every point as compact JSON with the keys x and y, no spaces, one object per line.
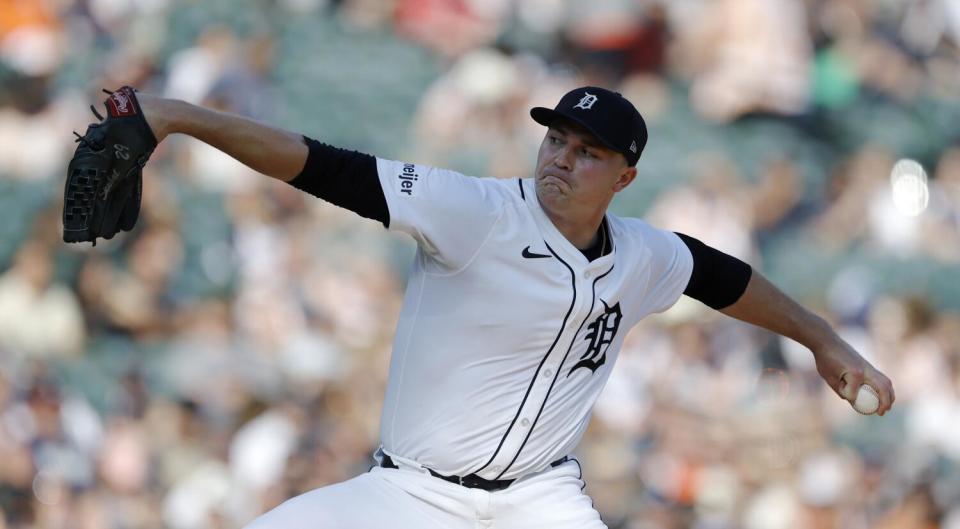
{"x":495,"y":468}
{"x":547,"y":372}
{"x":525,"y":423}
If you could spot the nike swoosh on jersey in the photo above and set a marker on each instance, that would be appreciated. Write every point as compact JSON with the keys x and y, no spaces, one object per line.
{"x":530,"y":255}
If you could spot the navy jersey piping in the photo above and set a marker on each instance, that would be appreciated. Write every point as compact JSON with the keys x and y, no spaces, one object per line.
{"x":533,"y":380}
{"x":520,"y":183}
{"x":593,"y":302}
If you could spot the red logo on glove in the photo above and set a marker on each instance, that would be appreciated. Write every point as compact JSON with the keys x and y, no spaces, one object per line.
{"x":119,"y":104}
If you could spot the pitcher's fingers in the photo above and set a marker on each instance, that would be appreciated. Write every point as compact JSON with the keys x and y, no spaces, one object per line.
{"x":850,"y":383}
{"x":884,"y":389}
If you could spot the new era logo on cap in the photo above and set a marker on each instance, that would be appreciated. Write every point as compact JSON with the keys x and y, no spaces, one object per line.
{"x":633,"y":146}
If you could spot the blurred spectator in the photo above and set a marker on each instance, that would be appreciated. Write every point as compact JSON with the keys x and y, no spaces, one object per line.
{"x":193,"y":72}
{"x":715,"y":208}
{"x":133,"y":300}
{"x":941,"y":232}
{"x":39,"y":317}
{"x":246,"y":86}
{"x":863,"y":206}
{"x":35,"y":129}
{"x":450,"y":27}
{"x":31,"y":41}
{"x":747,"y":56}
{"x":609,"y":40}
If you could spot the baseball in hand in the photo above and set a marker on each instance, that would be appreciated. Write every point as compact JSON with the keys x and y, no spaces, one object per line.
{"x":867,"y":400}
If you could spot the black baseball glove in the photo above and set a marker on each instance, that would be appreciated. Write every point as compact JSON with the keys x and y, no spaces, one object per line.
{"x":102,"y":192}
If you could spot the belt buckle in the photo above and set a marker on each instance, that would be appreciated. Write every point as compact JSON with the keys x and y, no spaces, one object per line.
{"x":476,"y":482}
{"x":471,"y":481}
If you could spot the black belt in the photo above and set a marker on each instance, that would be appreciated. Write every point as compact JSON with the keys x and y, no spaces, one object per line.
{"x":472,"y":481}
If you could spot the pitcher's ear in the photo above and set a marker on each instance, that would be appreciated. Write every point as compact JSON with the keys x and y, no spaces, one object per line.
{"x":626,"y":177}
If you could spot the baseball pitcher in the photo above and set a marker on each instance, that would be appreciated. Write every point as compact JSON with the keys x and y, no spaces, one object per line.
{"x":518,"y":303}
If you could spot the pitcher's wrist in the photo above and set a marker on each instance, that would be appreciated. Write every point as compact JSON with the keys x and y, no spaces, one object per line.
{"x":161,"y":114}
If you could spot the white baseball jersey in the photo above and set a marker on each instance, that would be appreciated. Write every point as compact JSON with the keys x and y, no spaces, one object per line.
{"x":508,"y":333}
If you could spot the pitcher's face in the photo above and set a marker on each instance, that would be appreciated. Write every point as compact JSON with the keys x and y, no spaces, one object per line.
{"x":577,"y":172}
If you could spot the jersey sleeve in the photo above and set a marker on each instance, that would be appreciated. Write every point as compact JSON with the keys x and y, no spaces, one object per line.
{"x":670,"y":267}
{"x":449,"y":214}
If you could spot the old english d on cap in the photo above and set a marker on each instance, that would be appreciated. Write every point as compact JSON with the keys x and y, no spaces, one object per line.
{"x":608,"y":115}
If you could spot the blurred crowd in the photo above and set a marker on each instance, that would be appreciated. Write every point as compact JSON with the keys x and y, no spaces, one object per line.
{"x":232,"y":350}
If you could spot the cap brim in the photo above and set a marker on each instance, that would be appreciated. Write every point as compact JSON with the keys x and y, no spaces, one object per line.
{"x":546,"y":117}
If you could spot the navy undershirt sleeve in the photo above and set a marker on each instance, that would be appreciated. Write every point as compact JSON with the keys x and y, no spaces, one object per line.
{"x":718,"y":280}
{"x":344,"y":178}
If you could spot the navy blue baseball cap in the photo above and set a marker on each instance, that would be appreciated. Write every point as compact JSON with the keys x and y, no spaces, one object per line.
{"x":607,"y":115}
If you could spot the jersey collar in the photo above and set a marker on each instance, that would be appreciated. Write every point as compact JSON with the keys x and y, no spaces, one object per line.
{"x":563,"y":247}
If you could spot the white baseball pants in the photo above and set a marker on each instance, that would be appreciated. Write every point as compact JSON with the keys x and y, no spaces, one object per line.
{"x":410,"y":498}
